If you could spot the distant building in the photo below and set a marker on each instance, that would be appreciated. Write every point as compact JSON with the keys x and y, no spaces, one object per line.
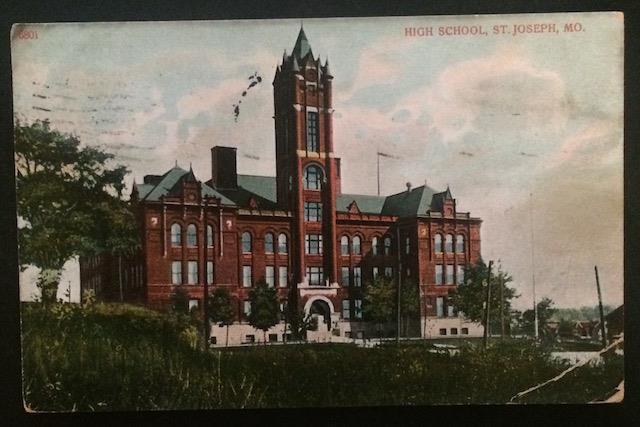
{"x":298,"y":231}
{"x":614,"y":322}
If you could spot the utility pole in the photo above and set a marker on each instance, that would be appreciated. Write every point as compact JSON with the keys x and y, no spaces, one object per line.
{"x":378,"y":171}
{"x":399,"y":289}
{"x":533,"y":272}
{"x":69,"y":291}
{"x":487,"y":307}
{"x":501,"y":283}
{"x":602,"y":328}
{"x":205,"y":292}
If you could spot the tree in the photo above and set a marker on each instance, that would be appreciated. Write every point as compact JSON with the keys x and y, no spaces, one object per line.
{"x":220,"y":309}
{"x":379,"y":301}
{"x":68,"y":200}
{"x":265,"y":310}
{"x":180,"y":301}
{"x":470,"y":297}
{"x":545,"y":312}
{"x":409,"y":303}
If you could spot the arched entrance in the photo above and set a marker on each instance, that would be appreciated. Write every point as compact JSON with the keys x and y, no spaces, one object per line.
{"x":320,"y":308}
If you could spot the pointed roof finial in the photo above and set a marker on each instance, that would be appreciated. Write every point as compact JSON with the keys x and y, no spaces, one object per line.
{"x":190,"y":167}
{"x":302,"y":47}
{"x":176,"y":165}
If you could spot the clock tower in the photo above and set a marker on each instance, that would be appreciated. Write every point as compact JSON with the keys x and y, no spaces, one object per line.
{"x":308,"y":173}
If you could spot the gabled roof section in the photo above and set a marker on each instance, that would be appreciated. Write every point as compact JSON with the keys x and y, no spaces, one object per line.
{"x":410,"y":203}
{"x":365,"y":203}
{"x":169,"y":184}
{"x":302,"y":47}
{"x":260,"y":189}
{"x":438,"y":199}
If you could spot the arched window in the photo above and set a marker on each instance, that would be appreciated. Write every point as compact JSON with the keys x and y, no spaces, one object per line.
{"x":312,"y":177}
{"x":209,"y":236}
{"x":355,"y":245}
{"x":176,"y":235}
{"x":192,"y":235}
{"x":374,"y":246}
{"x":246,"y":242}
{"x":387,"y":245}
{"x":283,"y":248}
{"x":460,"y":243}
{"x":344,"y":245}
{"x":437,"y":247}
{"x":268,"y":243}
{"x":448,"y":243}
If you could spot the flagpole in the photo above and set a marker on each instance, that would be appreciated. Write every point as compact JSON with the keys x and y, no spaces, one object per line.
{"x":378,"y":171}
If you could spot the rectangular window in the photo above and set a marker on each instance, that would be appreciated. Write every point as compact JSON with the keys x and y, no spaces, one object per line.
{"x":465,"y":331}
{"x":443,"y":331}
{"x":270,"y":276}
{"x":345,"y":276}
{"x":454,"y":331}
{"x":357,"y":276}
{"x":312,"y":131}
{"x":282,"y":276}
{"x":388,"y":272}
{"x":439,"y":278}
{"x":313,"y":244}
{"x":209,"y":272}
{"x":176,"y":272}
{"x":192,"y":270}
{"x":246,"y":276}
{"x":193,"y":303}
{"x":273,"y":337}
{"x":450,"y":274}
{"x":249,"y":339}
{"x":346,"y":310}
{"x":460,"y":275}
{"x":440,"y":306}
{"x":357,"y":305}
{"x":375,"y":272}
{"x":246,"y":308}
{"x":450,"y":310}
{"x":316,"y":276}
{"x":312,"y":211}
{"x":407,"y":246}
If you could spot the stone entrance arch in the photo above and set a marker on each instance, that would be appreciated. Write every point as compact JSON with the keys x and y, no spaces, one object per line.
{"x":322,"y":308}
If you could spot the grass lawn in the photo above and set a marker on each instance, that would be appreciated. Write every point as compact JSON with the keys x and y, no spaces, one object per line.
{"x":119,"y":357}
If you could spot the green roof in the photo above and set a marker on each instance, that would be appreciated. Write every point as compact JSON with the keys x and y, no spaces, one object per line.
{"x":366,"y":204}
{"x":410,"y":203}
{"x":263,"y":186}
{"x":167,"y":184}
{"x":302,"y":47}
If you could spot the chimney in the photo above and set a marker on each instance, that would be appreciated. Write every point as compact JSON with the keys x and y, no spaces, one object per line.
{"x":408,"y":184}
{"x":224,"y":174}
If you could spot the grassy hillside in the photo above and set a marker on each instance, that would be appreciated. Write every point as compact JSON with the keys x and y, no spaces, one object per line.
{"x":117,"y":357}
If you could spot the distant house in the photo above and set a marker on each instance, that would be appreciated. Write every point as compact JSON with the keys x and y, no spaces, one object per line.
{"x":614,"y":322}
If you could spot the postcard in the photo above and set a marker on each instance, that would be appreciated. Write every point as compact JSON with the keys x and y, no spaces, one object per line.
{"x":320,"y":212}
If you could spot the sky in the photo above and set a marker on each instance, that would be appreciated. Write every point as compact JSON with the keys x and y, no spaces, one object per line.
{"x":525,"y":127}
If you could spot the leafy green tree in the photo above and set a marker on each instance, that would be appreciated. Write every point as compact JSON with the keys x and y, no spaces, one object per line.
{"x":409,"y":303}
{"x":566,"y":328}
{"x":68,"y":200}
{"x":265,"y":310}
{"x":545,"y":313}
{"x":221,"y":310}
{"x":379,"y":301}
{"x":470,"y":296}
{"x":180,"y":301}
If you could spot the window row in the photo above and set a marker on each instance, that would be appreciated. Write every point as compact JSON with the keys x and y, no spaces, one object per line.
{"x":444,"y":308}
{"x":192,"y":235}
{"x":192,"y":276}
{"x":454,"y":331}
{"x":269,"y":276}
{"x":352,"y":306}
{"x":353,"y":277}
{"x":378,"y":246}
{"x":269,"y":243}
{"x":448,"y":244}
{"x":445,"y":276}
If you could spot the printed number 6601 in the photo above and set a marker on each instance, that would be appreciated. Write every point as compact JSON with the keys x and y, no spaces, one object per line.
{"x":28,"y":34}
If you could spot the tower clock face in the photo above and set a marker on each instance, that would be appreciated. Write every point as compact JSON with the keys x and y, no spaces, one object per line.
{"x":311,"y":75}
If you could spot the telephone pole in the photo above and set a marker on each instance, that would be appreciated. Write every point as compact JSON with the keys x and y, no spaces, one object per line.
{"x":533,"y":272}
{"x":602,"y":329}
{"x":487,"y":307}
{"x":501,"y":284}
